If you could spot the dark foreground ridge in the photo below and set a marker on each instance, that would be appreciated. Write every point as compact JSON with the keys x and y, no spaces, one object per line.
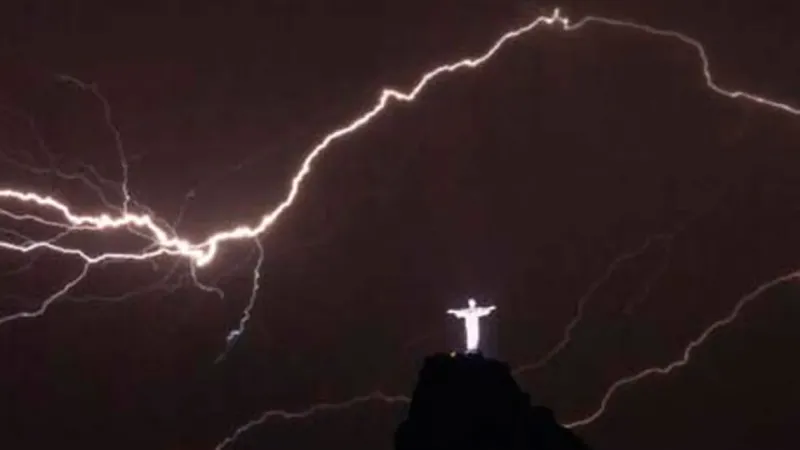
{"x":468,"y":402}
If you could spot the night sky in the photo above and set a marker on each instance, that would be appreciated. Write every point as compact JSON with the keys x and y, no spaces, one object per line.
{"x":519,"y":184}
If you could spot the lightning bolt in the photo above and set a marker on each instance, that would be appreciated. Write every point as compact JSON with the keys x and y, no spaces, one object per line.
{"x":581,"y":304}
{"x":653,"y":278}
{"x":123,"y":159}
{"x":235,"y":334}
{"x":666,"y":237}
{"x":166,"y":242}
{"x":319,"y":407}
{"x":686,"y":357}
{"x":49,"y":300}
{"x":164,"y":285}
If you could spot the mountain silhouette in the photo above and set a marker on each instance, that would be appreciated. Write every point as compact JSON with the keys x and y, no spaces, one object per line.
{"x":468,"y":402}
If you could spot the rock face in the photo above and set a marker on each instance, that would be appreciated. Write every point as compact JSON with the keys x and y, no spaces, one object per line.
{"x":468,"y":402}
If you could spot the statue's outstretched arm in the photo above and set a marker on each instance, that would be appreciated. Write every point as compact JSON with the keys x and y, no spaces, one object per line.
{"x":487,"y":310}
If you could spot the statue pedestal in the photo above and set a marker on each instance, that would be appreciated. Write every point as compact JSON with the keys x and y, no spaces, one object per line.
{"x":468,"y":402}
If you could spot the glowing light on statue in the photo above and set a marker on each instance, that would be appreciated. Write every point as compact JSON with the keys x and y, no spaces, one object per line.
{"x":472,"y":316}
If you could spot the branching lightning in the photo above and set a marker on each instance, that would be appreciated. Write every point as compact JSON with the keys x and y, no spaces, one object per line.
{"x":123,"y":159}
{"x":202,"y":253}
{"x":631,"y":305}
{"x":163,"y":240}
{"x":667,"y":238}
{"x":581,"y":304}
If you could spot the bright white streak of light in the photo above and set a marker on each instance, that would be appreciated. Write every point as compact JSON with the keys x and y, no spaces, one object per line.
{"x":204,"y":252}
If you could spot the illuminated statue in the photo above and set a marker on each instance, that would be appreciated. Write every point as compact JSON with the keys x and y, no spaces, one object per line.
{"x":471,"y":316}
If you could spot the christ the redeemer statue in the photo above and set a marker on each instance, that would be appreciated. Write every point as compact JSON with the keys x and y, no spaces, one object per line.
{"x":471,"y":316}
